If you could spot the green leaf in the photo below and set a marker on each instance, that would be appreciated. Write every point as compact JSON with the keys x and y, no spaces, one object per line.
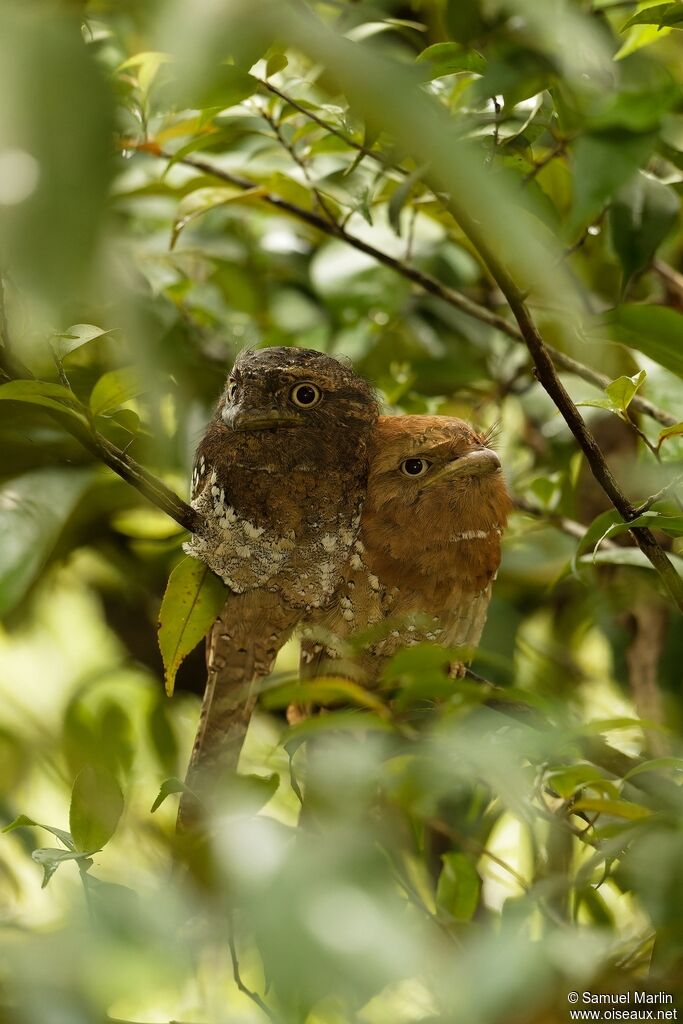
{"x":96,"y":806}
{"x":222,"y":86}
{"x":400,"y":197}
{"x":194,"y":597}
{"x":622,"y":390}
{"x":114,"y":389}
{"x":464,"y":20}
{"x":63,"y":144}
{"x":76,"y":336}
{"x":457,"y":891}
{"x":664,"y":15}
{"x":322,"y":692}
{"x":168,"y":787}
{"x":657,"y":764}
{"x":569,"y":778}
{"x":34,"y":510}
{"x":602,"y":163}
{"x":203,"y":200}
{"x":24,"y":822}
{"x":672,"y":525}
{"x":616,"y":808}
{"x":629,"y":556}
{"x":674,"y":431}
{"x":50,"y":859}
{"x":656,"y":331}
{"x":641,"y":216}
{"x":448,"y":59}
{"x":50,"y":396}
{"x":276,"y":62}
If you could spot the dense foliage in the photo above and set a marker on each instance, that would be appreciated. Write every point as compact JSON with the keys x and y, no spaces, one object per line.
{"x":380,"y":181}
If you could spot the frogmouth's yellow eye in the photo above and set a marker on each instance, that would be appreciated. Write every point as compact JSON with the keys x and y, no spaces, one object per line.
{"x":232,"y":391}
{"x":306,"y":395}
{"x":414,"y":467}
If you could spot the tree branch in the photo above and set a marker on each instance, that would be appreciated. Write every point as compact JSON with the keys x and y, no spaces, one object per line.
{"x":547,"y":375}
{"x":425,"y":281}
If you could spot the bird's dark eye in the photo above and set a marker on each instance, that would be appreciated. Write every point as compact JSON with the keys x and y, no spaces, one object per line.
{"x":232,"y":390}
{"x":306,"y":395}
{"x":414,"y":467}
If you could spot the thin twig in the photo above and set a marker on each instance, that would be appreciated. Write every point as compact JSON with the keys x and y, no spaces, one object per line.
{"x":426,"y":282}
{"x":254,"y":996}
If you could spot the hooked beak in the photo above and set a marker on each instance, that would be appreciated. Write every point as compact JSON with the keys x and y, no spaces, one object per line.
{"x":479,"y":463}
{"x":256,"y":419}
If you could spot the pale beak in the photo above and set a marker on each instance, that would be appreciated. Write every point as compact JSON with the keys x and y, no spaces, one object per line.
{"x":256,"y":419}
{"x":479,"y":463}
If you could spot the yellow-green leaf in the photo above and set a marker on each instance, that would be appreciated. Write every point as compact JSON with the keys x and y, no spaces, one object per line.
{"x":202,"y":200}
{"x":194,"y":597}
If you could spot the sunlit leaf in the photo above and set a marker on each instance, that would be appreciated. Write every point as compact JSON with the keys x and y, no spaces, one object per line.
{"x":449,"y":59}
{"x":617,"y":808}
{"x":37,"y":392}
{"x":114,"y":389}
{"x":96,"y":806}
{"x":661,"y":15}
{"x":205,"y":199}
{"x":23,"y":822}
{"x":50,"y":859}
{"x":194,"y":596}
{"x":674,"y":431}
{"x":76,"y":336}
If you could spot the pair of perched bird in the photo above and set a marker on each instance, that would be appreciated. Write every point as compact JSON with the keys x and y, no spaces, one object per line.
{"x":324,"y":516}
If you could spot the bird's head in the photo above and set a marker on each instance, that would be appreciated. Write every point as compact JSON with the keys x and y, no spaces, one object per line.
{"x":436,"y":473}
{"x":290,"y":389}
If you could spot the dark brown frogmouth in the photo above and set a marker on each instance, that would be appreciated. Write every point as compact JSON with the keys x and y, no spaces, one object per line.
{"x":280,"y":478}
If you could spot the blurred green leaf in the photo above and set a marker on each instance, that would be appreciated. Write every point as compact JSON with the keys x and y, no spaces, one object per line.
{"x":34,"y":510}
{"x":615,"y":808}
{"x":641,"y":216}
{"x":448,"y":59}
{"x":602,"y":164}
{"x":660,"y":14}
{"x":276,"y":62}
{"x":194,"y":596}
{"x":114,"y":389}
{"x":168,"y":788}
{"x":674,"y":431}
{"x":464,"y":20}
{"x":23,"y":822}
{"x":656,"y":331}
{"x":38,"y":392}
{"x":76,"y":336}
{"x":205,"y":199}
{"x":96,"y":806}
{"x":57,"y":151}
{"x":323,"y":691}
{"x":50,"y":859}
{"x":457,"y":891}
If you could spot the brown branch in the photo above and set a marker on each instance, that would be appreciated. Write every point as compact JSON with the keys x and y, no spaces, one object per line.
{"x":430,"y":285}
{"x":547,"y":376}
